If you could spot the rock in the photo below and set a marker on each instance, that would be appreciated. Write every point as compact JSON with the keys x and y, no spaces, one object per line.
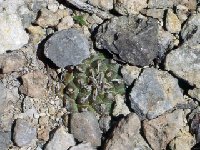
{"x":3,"y":97}
{"x":195,"y":121}
{"x":155,"y":13}
{"x":184,"y":141}
{"x":67,"y":47}
{"x":85,"y":127}
{"x":126,"y":135}
{"x":131,"y":39}
{"x":195,"y":93}
{"x":24,"y":133}
{"x":105,"y":123}
{"x":103,"y":4}
{"x":10,"y":62}
{"x":61,"y":140}
{"x":43,"y":133}
{"x":173,"y":24}
{"x":130,"y":73}
{"x":160,"y":4}
{"x":83,"y":146}
{"x":34,"y":84}
{"x":160,"y":131}
{"x":66,"y":23}
{"x":185,"y":63}
{"x":11,"y":29}
{"x":126,"y":7}
{"x":191,"y":31}
{"x":48,"y":18}
{"x":120,"y":107}
{"x":5,"y":140}
{"x":154,"y":93}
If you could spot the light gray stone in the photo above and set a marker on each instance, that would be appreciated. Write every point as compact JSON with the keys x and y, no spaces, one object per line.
{"x":12,"y":34}
{"x":185,"y":63}
{"x":3,"y":97}
{"x":126,"y":135}
{"x":5,"y":140}
{"x":85,"y":127}
{"x":67,"y":47}
{"x":160,"y":131}
{"x":61,"y":140}
{"x":83,"y":146}
{"x":195,"y":93}
{"x":24,"y":133}
{"x":173,"y":24}
{"x":154,"y":93}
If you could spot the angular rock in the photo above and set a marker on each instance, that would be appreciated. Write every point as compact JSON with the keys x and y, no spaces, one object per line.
{"x":160,"y":131}
{"x":66,"y":23}
{"x":195,"y":122}
{"x":24,"y":133}
{"x":195,"y":93}
{"x":184,"y":141}
{"x":160,"y":3}
{"x":185,"y":63}
{"x":34,"y":84}
{"x":130,"y":39}
{"x":12,"y":34}
{"x":67,"y":47}
{"x":83,"y":146}
{"x":173,"y":24}
{"x":5,"y":140}
{"x":10,"y":62}
{"x":84,"y":126}
{"x":129,"y":7}
{"x":154,"y":93}
{"x":105,"y":123}
{"x":103,"y":4}
{"x":120,"y":107}
{"x":130,"y":73}
{"x":126,"y":135}
{"x":61,"y":140}
{"x":191,"y":31}
{"x":155,"y":13}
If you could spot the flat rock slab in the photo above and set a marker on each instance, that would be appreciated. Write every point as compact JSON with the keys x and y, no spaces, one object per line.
{"x":154,"y":93}
{"x":185,"y":63}
{"x":126,"y":135}
{"x":85,"y":127}
{"x":12,"y":34}
{"x":130,"y":39}
{"x":67,"y":47}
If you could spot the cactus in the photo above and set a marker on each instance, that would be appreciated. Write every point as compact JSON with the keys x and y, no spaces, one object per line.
{"x":92,"y":85}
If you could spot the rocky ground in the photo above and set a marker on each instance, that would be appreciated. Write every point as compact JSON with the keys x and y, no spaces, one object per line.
{"x":99,"y":74}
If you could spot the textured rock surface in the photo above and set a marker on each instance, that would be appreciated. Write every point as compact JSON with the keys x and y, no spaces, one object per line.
{"x":34,"y":84}
{"x":195,"y":93}
{"x":160,"y":131}
{"x":5,"y":140}
{"x":12,"y":34}
{"x":131,"y":39}
{"x":126,"y":135}
{"x":154,"y":93}
{"x":84,"y":126}
{"x":185,"y":63}
{"x":3,"y":96}
{"x":61,"y":140}
{"x":83,"y":146}
{"x":173,"y":24}
{"x":130,"y":73}
{"x":103,"y":4}
{"x":10,"y":62}
{"x":184,"y":141}
{"x":125,"y":7}
{"x":160,"y":3}
{"x":24,"y":133}
{"x":67,"y":47}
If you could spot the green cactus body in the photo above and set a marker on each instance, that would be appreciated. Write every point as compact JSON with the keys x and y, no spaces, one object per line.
{"x":93,"y":85}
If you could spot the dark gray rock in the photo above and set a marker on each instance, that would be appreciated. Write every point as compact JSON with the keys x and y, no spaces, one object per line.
{"x":130,"y":39}
{"x":85,"y":127}
{"x":154,"y":93}
{"x":67,"y":47}
{"x":24,"y":133}
{"x":5,"y":140}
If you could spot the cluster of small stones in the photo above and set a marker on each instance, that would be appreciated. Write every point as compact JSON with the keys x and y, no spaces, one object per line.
{"x":99,"y":74}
